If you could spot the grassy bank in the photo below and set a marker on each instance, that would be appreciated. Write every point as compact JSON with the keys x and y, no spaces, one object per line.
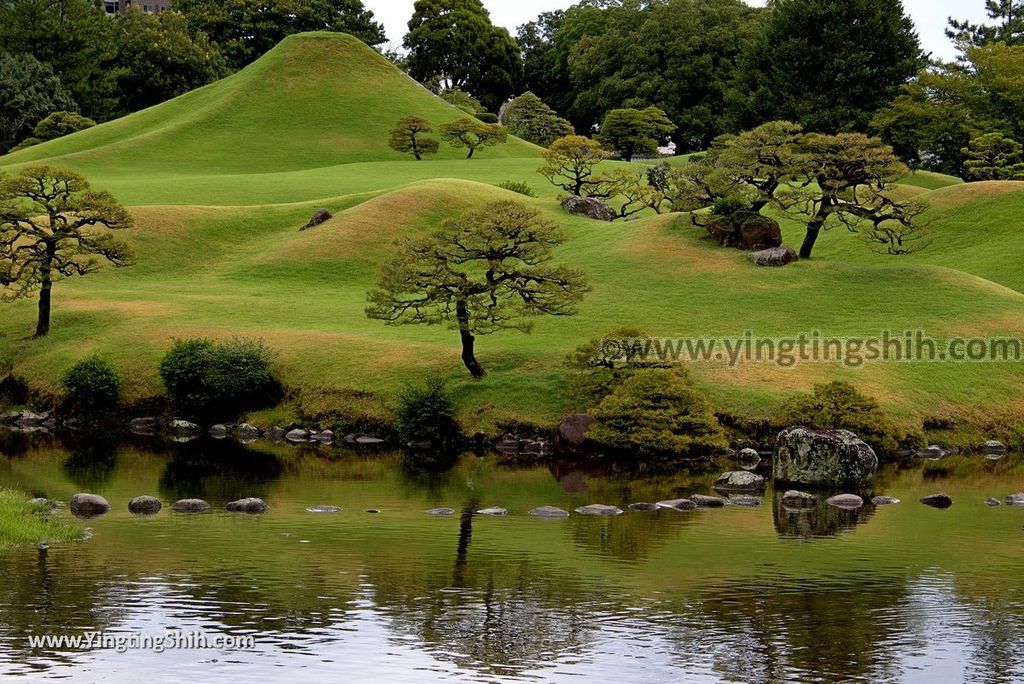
{"x":220,"y":180}
{"x":23,"y":523}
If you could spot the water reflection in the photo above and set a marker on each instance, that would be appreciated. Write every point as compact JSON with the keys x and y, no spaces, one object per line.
{"x":817,"y":518}
{"x":875,"y":595}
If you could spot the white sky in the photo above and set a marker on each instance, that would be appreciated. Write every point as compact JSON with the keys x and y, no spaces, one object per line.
{"x":929,"y":15}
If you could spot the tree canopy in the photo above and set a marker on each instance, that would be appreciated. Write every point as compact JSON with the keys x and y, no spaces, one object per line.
{"x":52,"y":226}
{"x":408,"y":136}
{"x":472,"y":134}
{"x":527,"y":117}
{"x":29,"y":91}
{"x":487,"y":270}
{"x":828,"y":66}
{"x":453,"y":42}
{"x":635,"y":131}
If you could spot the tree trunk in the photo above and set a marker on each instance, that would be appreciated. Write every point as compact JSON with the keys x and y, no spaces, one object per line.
{"x":471,"y":151}
{"x":813,"y":228}
{"x":468,"y":355}
{"x":46,"y":286}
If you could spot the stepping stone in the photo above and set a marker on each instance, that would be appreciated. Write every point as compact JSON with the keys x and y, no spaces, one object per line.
{"x":677,"y":504}
{"x":847,"y":502}
{"x":145,"y":505}
{"x":190,"y":506}
{"x":742,"y":500}
{"x":1015,"y":499}
{"x":323,"y":509}
{"x":492,"y":511}
{"x":739,"y":481}
{"x":938,"y":501}
{"x":549,"y":512}
{"x":372,"y":510}
{"x":704,"y":501}
{"x":885,"y":500}
{"x":599,"y":509}
{"x":441,"y":511}
{"x":249,"y":505}
{"x":798,"y":499}
{"x":993,"y":502}
{"x":644,"y":506}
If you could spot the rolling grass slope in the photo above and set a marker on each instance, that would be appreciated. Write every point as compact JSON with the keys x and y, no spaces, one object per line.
{"x":220,"y":180}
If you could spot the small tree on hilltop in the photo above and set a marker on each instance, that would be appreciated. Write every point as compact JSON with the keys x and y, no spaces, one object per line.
{"x":571,"y":165}
{"x":635,"y":131}
{"x":484,"y":271}
{"x":472,"y":133}
{"x":407,"y":137}
{"x":52,"y":225}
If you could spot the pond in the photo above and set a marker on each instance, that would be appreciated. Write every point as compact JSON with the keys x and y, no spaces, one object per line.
{"x":762,"y":594}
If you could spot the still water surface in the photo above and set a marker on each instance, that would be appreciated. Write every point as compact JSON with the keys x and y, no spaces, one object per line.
{"x":903,"y":593}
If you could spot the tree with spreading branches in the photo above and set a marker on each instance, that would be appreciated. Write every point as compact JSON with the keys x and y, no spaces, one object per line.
{"x":571,"y":164}
{"x":408,"y":137}
{"x":54,"y":226}
{"x":487,"y":270}
{"x":848,"y":180}
{"x":472,"y":134}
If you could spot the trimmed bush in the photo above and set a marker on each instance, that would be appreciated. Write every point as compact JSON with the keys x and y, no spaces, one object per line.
{"x":92,"y":386}
{"x":59,"y":124}
{"x":427,"y":413}
{"x":839,"y":405}
{"x":220,"y":380}
{"x":655,"y":414}
{"x":517,"y":186}
{"x":600,"y":365}
{"x":25,"y":144}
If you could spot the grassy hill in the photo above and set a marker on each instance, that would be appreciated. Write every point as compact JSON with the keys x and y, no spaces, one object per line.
{"x":220,"y":180}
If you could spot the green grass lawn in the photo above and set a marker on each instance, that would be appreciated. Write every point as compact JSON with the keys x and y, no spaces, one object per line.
{"x":23,"y":523}
{"x":220,"y":180}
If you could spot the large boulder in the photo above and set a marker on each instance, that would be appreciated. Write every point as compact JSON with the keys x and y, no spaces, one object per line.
{"x":591,"y":207}
{"x":824,"y":458}
{"x":739,"y":481}
{"x":773,"y":256}
{"x":571,"y":434}
{"x":745,"y":230}
{"x":89,"y":505}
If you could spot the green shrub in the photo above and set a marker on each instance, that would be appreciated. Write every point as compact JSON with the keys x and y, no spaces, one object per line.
{"x":26,"y":143}
{"x":59,"y":124}
{"x":730,"y":206}
{"x":427,"y":413}
{"x":91,"y":386}
{"x":347,"y":411}
{"x":518,"y":186}
{"x":601,"y":364}
{"x":840,"y":406}
{"x":487,"y":117}
{"x":656,"y":414}
{"x":220,"y":380}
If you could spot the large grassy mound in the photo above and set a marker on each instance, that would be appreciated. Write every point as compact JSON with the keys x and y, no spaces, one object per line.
{"x":316,"y":100}
{"x":220,"y":180}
